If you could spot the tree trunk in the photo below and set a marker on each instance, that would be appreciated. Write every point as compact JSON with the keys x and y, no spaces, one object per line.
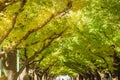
{"x":80,"y":77}
{"x":116,"y":60}
{"x":97,"y":75}
{"x":40,"y":77}
{"x":9,"y":66}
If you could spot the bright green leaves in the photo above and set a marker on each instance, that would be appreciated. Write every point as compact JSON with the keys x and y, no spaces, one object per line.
{"x":112,"y":6}
{"x":95,"y":35}
{"x":51,"y":5}
{"x":92,"y":26}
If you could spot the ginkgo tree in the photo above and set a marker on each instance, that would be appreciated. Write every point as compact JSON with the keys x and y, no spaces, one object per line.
{"x":83,"y":36}
{"x":95,"y":36}
{"x":24,"y":22}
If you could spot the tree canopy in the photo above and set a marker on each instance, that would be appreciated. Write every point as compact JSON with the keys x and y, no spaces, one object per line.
{"x":61,"y":36}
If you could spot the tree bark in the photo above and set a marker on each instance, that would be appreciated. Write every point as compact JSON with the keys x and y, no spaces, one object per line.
{"x":97,"y":75}
{"x":80,"y":77}
{"x":9,"y":66}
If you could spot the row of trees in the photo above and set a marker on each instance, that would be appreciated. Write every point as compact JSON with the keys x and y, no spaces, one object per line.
{"x":56,"y":37}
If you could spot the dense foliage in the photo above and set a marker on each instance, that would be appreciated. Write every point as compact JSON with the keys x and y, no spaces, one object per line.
{"x":62,"y":36}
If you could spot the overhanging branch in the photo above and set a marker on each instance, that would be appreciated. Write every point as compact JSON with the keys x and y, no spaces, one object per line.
{"x":39,"y":51}
{"x":35,"y":61}
{"x":6,"y":3}
{"x":69,"y":5}
{"x":14,"y":19}
{"x":49,"y":67}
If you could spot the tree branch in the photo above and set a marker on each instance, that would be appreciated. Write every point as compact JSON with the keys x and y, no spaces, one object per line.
{"x":13,"y":21}
{"x":49,"y":67}
{"x":39,"y":51}
{"x":37,"y":60}
{"x":33,"y":30}
{"x":42,"y":25}
{"x":6,"y":3}
{"x":41,"y":72}
{"x":25,"y":53}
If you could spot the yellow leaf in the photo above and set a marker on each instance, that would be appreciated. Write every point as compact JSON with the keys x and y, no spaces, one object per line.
{"x":77,"y":5}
